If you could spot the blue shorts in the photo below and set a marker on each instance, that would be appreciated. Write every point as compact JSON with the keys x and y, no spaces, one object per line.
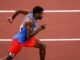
{"x":21,"y":36}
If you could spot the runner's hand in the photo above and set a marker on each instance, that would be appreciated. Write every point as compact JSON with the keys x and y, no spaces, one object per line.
{"x":10,"y":20}
{"x":43,"y":26}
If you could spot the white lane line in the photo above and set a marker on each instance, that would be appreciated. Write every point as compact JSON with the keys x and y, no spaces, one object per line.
{"x":47,"y":11}
{"x":48,"y":39}
{"x":7,"y":11}
{"x":50,"y":11}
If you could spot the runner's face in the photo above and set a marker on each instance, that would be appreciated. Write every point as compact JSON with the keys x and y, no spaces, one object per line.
{"x":39,"y":15}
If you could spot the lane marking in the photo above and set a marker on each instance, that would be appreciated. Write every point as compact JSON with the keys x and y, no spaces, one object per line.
{"x":5,"y":40}
{"x":51,"y":11}
{"x":47,"y":11}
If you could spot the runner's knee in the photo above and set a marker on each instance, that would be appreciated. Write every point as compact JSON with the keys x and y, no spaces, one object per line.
{"x":43,"y":46}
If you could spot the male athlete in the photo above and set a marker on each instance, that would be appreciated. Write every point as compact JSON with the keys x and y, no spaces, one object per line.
{"x":28,"y":29}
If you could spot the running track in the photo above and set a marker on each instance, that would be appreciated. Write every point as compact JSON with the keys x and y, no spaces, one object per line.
{"x":59,"y":25}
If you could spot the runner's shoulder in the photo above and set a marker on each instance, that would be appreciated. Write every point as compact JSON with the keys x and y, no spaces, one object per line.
{"x":30,"y":20}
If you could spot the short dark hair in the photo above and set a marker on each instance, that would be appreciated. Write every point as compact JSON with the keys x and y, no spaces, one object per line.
{"x":37,"y":9}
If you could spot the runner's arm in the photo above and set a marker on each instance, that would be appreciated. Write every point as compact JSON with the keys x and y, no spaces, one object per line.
{"x":24,"y":12}
{"x":42,"y":27}
{"x":29,"y":32}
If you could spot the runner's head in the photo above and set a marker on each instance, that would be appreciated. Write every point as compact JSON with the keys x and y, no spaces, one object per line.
{"x":38,"y":12}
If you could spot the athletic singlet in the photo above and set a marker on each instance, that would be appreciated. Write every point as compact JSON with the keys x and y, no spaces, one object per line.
{"x":22,"y":34}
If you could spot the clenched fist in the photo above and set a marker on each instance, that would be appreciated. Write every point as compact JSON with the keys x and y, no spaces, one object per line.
{"x":10,"y":20}
{"x":43,"y":26}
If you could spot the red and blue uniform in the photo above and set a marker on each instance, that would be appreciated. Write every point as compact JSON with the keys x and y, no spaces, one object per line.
{"x":20,"y":40}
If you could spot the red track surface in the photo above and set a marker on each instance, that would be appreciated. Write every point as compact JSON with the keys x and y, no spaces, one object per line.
{"x":59,"y":25}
